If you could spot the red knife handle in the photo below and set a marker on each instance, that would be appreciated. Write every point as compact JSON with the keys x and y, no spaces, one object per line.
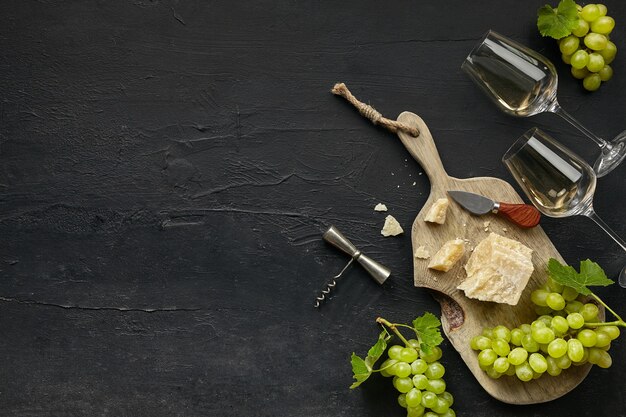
{"x":523,"y":215}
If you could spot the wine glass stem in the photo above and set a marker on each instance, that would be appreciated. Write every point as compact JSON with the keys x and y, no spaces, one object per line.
{"x":593,"y":216}
{"x":557,"y":109}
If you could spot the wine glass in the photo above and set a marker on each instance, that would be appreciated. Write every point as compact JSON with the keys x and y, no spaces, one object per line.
{"x":523,"y":83}
{"x":556,"y":180}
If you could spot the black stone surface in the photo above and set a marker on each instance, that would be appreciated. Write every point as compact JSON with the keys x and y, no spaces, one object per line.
{"x":166,"y":171}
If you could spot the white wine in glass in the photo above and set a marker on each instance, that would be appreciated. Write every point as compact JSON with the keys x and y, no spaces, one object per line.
{"x":556,"y":180}
{"x":523,"y":83}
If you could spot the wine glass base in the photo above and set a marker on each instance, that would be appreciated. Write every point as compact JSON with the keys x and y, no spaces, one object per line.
{"x":621,"y":280}
{"x":610,"y":159}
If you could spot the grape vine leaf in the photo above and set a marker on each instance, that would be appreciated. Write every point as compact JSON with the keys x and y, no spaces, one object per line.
{"x":362,"y":368}
{"x":557,"y":23}
{"x":427,"y":329}
{"x":591,"y":274}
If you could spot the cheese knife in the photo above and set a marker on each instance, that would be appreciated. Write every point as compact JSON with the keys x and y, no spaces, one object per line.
{"x":523,"y":215}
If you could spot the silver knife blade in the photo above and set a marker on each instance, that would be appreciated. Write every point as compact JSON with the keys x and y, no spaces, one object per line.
{"x":474,"y":203}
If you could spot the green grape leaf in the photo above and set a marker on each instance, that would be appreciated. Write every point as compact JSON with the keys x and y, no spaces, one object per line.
{"x":363,"y":368}
{"x":427,"y":329}
{"x":557,"y":23}
{"x":591,"y":274}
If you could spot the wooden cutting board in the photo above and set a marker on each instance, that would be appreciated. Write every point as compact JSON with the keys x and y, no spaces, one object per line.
{"x":462,"y":317}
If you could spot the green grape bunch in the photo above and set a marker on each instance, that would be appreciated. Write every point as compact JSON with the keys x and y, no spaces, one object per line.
{"x":566,"y":332}
{"x":583,"y":35}
{"x":414,"y":367}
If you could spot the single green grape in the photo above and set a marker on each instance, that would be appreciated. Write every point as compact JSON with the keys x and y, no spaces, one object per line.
{"x":516,"y":336}
{"x":539,"y":324}
{"x":567,"y":59}
{"x":524,"y":372}
{"x":429,"y":399}
{"x":449,"y":413}
{"x":501,"y":347}
{"x":575,"y":350}
{"x":431,"y":414}
{"x":432,"y":356}
{"x":569,"y":45}
{"x":517,"y":356}
{"x":587,"y":337}
{"x":394,"y":352}
{"x":552,"y":369}
{"x":606,"y":73}
{"x":602,"y":8}
{"x":502,"y":332}
{"x":501,"y":365}
{"x":569,"y":293}
{"x":543,"y":347}
{"x":538,"y":363}
{"x":408,"y":354}
{"x":554,"y":286}
{"x":600,"y":357}
{"x":563,"y":362}
{"x":441,"y":407}
{"x":418,"y":366}
{"x":579,"y":60}
{"x":557,"y":348}
{"x":546,"y":319}
{"x":414,"y":343}
{"x":401,"y":369}
{"x":596,"y":62}
{"x":387,"y":367}
{"x":529,"y":344}
{"x":402,"y":400}
{"x":582,"y":28}
{"x":595,"y":41}
{"x":575,"y":306}
{"x":417,"y":411}
{"x":488,"y":332}
{"x":435,"y":370}
{"x":420,"y":381}
{"x":538,"y":296}
{"x":590,"y":12}
{"x":602,"y":340}
{"x":413,"y":397}
{"x":487,"y":357}
{"x":554,"y":300}
{"x":612,"y":331}
{"x":559,"y":324}
{"x":492,"y":373}
{"x":448,"y":397}
{"x":603,"y":25}
{"x":542,"y":311}
{"x":592,"y":82}
{"x":525,"y":328}
{"x":543,"y":335}
{"x":589,"y":312}
{"x":609,"y":52}
{"x":575,"y":320}
{"x":437,"y":386}
{"x":403,"y":385}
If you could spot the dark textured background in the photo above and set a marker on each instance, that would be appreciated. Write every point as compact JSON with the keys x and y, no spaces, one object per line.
{"x":167,"y":168}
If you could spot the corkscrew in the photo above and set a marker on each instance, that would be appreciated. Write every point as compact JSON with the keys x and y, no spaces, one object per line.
{"x":338,"y":240}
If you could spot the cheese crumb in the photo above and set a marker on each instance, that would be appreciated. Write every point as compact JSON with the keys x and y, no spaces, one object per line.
{"x":380,"y":207}
{"x":486,"y":224}
{"x":422,"y":253}
{"x":391,"y":227}
{"x":498,"y":270}
{"x":437,"y":212}
{"x":448,"y":255}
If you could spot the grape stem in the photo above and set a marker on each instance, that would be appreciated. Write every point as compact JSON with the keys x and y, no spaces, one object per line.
{"x":618,"y":322}
{"x":394,"y":328}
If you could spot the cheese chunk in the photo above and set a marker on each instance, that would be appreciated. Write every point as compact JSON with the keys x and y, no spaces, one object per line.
{"x":437,"y":212}
{"x":448,"y":255}
{"x":498,"y":270}
{"x":422,"y":253}
{"x":391,"y":227}
{"x":380,"y":207}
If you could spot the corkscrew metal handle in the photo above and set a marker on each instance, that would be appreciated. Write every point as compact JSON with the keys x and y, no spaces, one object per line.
{"x":379,"y":272}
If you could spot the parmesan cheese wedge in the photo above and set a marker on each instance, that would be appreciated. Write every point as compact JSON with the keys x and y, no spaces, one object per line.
{"x":447,"y":255}
{"x":498,"y":270}
{"x":437,"y":212}
{"x":391,"y":227}
{"x":422,"y":253}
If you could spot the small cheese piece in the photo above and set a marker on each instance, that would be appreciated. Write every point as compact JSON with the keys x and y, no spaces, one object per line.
{"x":391,"y":227}
{"x":437,"y":212}
{"x":448,"y":255}
{"x":422,"y":253}
{"x":380,"y":207}
{"x":498,"y":270}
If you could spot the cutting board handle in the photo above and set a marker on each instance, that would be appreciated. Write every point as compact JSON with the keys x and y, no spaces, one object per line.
{"x":423,"y":149}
